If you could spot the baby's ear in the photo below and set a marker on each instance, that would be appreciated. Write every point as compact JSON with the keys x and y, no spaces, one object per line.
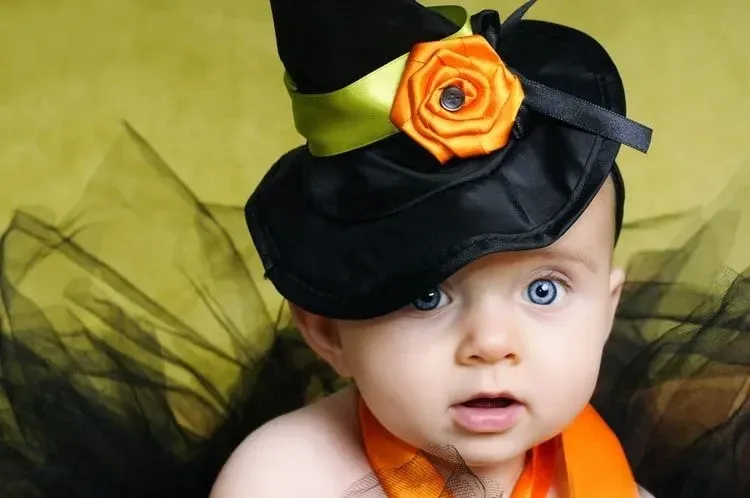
{"x":616,"y":281}
{"x":321,"y":336}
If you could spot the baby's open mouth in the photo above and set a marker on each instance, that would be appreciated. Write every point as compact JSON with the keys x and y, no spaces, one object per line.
{"x":490,"y":402}
{"x":486,"y":413}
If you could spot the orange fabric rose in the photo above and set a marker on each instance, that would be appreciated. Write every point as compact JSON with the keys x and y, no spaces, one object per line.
{"x":485,"y":99}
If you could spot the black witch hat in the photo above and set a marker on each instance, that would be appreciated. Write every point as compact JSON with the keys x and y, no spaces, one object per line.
{"x":433,"y":138}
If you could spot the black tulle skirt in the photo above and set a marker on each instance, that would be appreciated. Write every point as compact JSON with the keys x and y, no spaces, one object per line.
{"x":136,"y":351}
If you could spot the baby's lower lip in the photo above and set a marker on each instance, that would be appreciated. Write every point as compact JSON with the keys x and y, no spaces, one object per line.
{"x":487,"y":416}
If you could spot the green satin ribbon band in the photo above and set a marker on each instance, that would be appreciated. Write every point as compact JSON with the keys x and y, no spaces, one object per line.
{"x":358,"y":114}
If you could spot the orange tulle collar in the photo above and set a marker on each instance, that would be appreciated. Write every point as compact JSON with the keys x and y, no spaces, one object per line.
{"x":595,"y":462}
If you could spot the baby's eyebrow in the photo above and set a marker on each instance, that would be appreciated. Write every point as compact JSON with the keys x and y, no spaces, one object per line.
{"x":577,"y":257}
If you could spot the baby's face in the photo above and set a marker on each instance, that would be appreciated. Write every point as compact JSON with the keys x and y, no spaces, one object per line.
{"x":529,"y":326}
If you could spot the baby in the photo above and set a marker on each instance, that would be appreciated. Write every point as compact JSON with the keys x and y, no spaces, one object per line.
{"x":499,"y":358}
{"x":445,"y":239}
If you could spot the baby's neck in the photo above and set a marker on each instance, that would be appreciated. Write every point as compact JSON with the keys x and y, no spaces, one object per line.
{"x":503,"y":476}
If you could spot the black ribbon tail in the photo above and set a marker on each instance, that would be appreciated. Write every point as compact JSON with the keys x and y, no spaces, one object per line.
{"x":586,"y":115}
{"x":517,"y":15}
{"x":487,"y":22}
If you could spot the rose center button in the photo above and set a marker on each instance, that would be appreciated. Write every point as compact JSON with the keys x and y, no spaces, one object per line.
{"x":452,"y":98}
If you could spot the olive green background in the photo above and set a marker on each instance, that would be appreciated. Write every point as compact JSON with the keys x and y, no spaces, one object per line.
{"x":201,"y":81}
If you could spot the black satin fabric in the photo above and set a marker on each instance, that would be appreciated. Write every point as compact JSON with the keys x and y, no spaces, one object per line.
{"x":364,"y":233}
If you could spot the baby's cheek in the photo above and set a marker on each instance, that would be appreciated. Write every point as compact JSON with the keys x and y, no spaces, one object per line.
{"x":567,"y":375}
{"x":412,"y":370}
{"x":413,"y":378}
{"x":385,"y":365}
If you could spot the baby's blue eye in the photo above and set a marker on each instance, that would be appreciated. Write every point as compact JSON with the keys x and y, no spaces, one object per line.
{"x":543,"y":291}
{"x":430,"y":300}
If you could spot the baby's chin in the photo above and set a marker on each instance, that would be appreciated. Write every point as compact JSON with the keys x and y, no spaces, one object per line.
{"x":486,"y":456}
{"x":485,"y":452}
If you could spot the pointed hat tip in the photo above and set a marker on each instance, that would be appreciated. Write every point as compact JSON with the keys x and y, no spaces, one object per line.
{"x":327,"y":44}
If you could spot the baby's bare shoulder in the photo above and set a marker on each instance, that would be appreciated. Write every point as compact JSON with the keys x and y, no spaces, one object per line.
{"x":314,"y":451}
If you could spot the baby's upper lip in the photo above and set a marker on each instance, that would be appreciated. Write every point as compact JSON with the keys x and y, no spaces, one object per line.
{"x":490,"y":395}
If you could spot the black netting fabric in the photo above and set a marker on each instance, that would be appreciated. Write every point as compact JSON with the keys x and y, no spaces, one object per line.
{"x":675,"y":383}
{"x":459,"y":481}
{"x":136,"y":351}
